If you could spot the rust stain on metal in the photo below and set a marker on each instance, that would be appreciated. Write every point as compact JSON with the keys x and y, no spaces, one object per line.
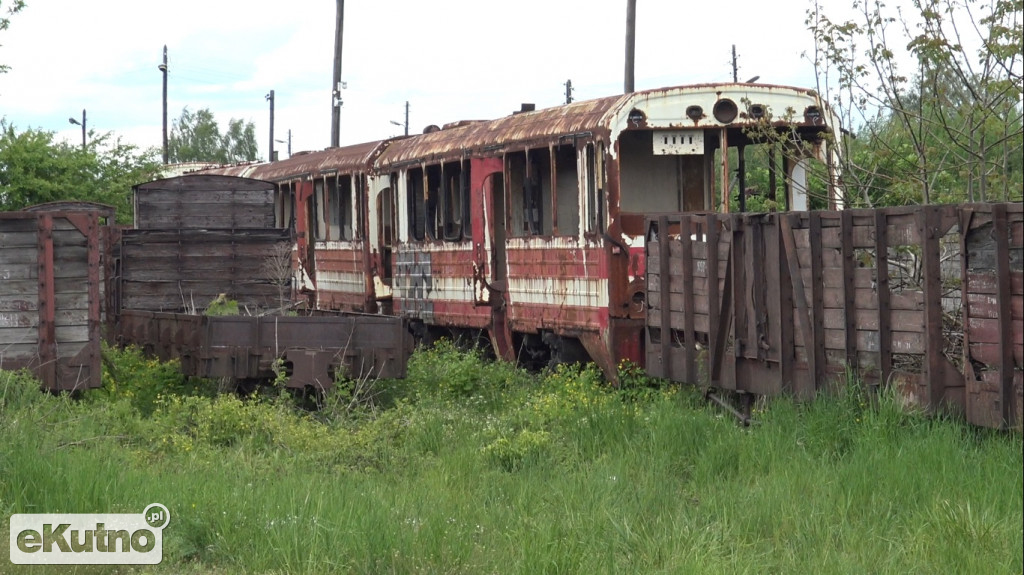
{"x":520,"y":129}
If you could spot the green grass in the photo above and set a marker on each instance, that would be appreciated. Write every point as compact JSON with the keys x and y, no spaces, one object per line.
{"x":476,"y":467}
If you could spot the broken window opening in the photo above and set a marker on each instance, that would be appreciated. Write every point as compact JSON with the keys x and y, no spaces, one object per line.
{"x":336,"y":215}
{"x":385,"y":219}
{"x":333,"y":209}
{"x":433,"y":215}
{"x":530,"y":178}
{"x":464,"y":186}
{"x":650,"y":182}
{"x":594,"y":162}
{"x":415,"y":204}
{"x":284,"y":206}
{"x":454,"y":209}
{"x":567,"y":192}
{"x":319,"y":215}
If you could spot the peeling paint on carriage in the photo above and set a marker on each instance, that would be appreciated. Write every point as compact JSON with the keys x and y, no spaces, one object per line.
{"x":433,"y":283}
{"x":660,"y":108}
{"x":306,"y":165}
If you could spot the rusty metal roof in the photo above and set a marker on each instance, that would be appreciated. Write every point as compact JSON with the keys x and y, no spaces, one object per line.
{"x":354,"y":158}
{"x":520,"y":128}
{"x":600,"y":118}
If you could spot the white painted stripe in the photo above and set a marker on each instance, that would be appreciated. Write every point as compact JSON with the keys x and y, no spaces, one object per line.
{"x":575,"y":292}
{"x":340,"y":281}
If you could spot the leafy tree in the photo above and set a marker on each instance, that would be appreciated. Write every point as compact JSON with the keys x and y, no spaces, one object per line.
{"x":938,"y":120}
{"x":196,"y":137}
{"x":240,"y":141}
{"x":10,"y":9}
{"x":35,"y":169}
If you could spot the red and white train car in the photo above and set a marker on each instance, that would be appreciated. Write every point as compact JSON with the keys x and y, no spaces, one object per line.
{"x":529,"y":228}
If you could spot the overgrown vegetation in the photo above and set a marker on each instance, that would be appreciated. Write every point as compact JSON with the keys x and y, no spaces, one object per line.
{"x":34,"y":169}
{"x":469,"y":466}
{"x":932,"y":89}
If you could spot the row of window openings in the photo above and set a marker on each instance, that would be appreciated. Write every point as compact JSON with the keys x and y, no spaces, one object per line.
{"x":332,"y":212}
{"x":442,"y":213}
{"x":535,"y":206}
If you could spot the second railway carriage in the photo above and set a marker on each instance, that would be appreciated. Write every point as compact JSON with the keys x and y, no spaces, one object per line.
{"x":529,"y":228}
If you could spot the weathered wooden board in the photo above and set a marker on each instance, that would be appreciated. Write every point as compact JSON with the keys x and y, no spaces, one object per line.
{"x":50,"y":286}
{"x":204,"y":201}
{"x":178,"y":270}
{"x":936,"y":258}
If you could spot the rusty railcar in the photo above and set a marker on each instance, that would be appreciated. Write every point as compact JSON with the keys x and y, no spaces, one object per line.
{"x":768,"y":304}
{"x":50,"y":295}
{"x":529,"y":228}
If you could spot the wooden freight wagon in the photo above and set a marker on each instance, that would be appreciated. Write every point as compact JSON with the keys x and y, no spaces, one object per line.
{"x":198,"y":238}
{"x":925,"y":297}
{"x":50,"y":293}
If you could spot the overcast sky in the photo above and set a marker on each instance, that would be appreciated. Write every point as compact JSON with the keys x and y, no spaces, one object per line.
{"x":450,"y":59}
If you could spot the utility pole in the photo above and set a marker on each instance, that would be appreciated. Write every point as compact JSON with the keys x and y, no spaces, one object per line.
{"x":163,"y":68}
{"x":735,"y":68}
{"x":568,"y":91}
{"x":74,"y":121}
{"x":630,"y":43}
{"x":339,"y":27}
{"x":270,"y":97}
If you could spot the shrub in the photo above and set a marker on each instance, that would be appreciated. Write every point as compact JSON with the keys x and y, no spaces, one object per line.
{"x":446,"y":369}
{"x":221,"y":305}
{"x":128,"y":373}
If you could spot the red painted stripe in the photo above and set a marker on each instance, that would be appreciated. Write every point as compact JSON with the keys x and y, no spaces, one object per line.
{"x":531,"y":317}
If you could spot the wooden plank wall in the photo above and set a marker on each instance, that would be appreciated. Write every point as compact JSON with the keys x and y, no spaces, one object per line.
{"x":50,"y":297}
{"x":994,"y":313}
{"x":204,"y":202}
{"x":184,"y":270}
{"x":800,"y":297}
